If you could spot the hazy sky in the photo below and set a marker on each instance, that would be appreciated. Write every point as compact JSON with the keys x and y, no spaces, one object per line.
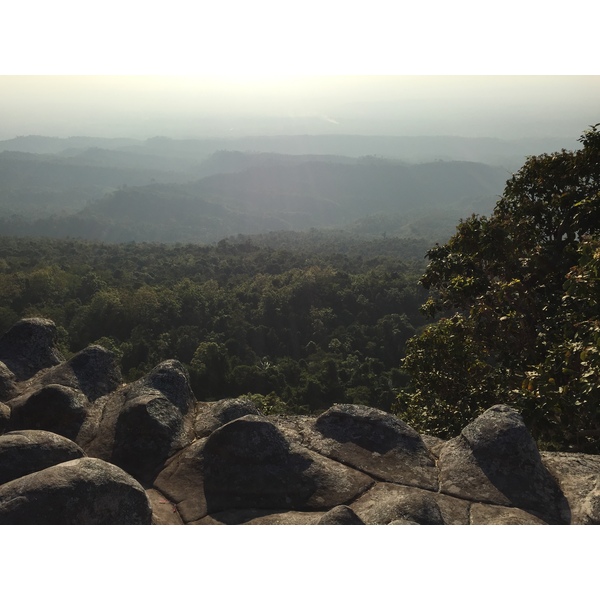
{"x":235,"y":67}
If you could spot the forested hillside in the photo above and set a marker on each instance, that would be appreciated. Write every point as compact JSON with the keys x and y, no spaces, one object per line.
{"x":304,"y":321}
{"x":269,"y":193}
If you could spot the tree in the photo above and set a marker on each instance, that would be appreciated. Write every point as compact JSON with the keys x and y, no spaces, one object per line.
{"x":503,"y":279}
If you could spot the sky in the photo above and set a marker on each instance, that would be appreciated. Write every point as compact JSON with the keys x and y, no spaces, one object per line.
{"x":229,"y":68}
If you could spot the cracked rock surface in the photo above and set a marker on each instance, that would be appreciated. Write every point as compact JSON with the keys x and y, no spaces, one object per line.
{"x":77,"y":446}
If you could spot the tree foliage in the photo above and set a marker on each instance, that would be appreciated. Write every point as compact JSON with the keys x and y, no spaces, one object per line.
{"x":309,"y":320}
{"x":516,"y":283}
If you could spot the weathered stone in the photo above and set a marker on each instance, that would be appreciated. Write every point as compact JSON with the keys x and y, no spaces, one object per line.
{"x":387,"y":502}
{"x":182,"y":482}
{"x":171,"y":379}
{"x":86,"y":491}
{"x":489,"y":514}
{"x":212,"y":415}
{"x":578,"y":476}
{"x":249,"y":463}
{"x":8,"y":388}
{"x":149,"y":429}
{"x":94,"y":370}
{"x":4,"y":417}
{"x":495,"y":460}
{"x":25,"y":452}
{"x":30,"y":346}
{"x":260,"y":517}
{"x":374,"y":442}
{"x":139,"y":426}
{"x":164,"y":512}
{"x":55,"y":408}
{"x":340,"y":515}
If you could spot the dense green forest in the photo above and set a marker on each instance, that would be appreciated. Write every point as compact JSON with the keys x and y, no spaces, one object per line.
{"x":301,"y":320}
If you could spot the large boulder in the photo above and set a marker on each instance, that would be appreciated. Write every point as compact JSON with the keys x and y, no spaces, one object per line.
{"x":385,"y":503}
{"x":248,"y":463}
{"x":30,"y":346}
{"x":495,"y":460}
{"x":139,"y":426}
{"x":212,"y":415}
{"x":85,"y":491}
{"x":374,"y":442}
{"x":25,"y":452}
{"x":94,"y":370}
{"x":54,"y":407}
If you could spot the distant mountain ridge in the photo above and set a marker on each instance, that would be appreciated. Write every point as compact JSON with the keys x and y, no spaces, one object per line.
{"x":276,"y":192}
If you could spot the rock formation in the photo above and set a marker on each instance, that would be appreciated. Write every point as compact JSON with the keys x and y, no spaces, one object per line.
{"x":78,"y":446}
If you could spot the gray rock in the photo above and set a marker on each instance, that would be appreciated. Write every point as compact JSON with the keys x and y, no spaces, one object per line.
{"x":171,"y":379}
{"x":578,"y":476}
{"x":94,"y":371}
{"x":387,"y":502}
{"x":374,"y":442}
{"x":4,"y":417}
{"x":55,"y":408}
{"x":164,"y":512}
{"x":489,"y":514}
{"x":340,"y":515}
{"x":30,"y":346}
{"x":248,"y":463}
{"x":255,"y":516}
{"x":85,"y":491}
{"x":212,"y":415}
{"x":8,"y":389}
{"x":495,"y":460}
{"x":25,"y":452}
{"x":182,"y":482}
{"x":148,"y":430}
{"x":139,"y":426}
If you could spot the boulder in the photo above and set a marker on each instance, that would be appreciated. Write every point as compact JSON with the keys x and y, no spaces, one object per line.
{"x":164,"y":512}
{"x":139,"y":426}
{"x":85,"y":491}
{"x":94,"y":370}
{"x":495,"y":460}
{"x":490,"y":514}
{"x":8,"y":388}
{"x":375,"y":443}
{"x":248,"y":463}
{"x":387,"y":502}
{"x":212,"y":415}
{"x":340,"y":515}
{"x":578,"y":476}
{"x":55,"y":408}
{"x":25,"y":452}
{"x":255,"y":516}
{"x":30,"y":346}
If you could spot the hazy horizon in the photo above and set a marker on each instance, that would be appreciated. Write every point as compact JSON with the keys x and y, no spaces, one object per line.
{"x":506,"y":107}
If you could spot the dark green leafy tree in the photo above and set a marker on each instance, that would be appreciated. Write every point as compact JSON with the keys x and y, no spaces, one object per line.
{"x":502,"y":278}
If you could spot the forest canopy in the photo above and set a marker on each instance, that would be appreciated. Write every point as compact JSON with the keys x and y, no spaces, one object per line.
{"x":516,"y":295}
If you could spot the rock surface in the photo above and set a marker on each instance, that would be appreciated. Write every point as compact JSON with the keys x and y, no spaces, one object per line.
{"x":79,"y":447}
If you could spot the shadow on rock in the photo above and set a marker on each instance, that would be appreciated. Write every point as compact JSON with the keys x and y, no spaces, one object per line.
{"x":495,"y":459}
